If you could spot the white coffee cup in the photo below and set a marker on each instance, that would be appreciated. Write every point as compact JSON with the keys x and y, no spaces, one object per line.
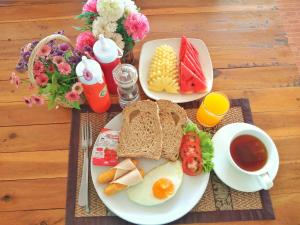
{"x":262,"y":174}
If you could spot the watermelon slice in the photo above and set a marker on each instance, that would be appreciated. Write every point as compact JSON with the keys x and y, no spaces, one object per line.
{"x":183,"y":46}
{"x":194,"y":68}
{"x":186,"y":46}
{"x":189,"y":81}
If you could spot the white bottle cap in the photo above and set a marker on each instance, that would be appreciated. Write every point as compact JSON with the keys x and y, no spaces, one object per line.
{"x":89,"y":66}
{"x":106,"y":50}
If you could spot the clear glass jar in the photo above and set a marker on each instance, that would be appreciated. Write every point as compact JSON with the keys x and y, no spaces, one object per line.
{"x":126,"y":76}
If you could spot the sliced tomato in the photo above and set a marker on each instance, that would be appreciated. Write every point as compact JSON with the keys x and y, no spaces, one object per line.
{"x":191,"y":137}
{"x":189,"y":149}
{"x":192,"y":165}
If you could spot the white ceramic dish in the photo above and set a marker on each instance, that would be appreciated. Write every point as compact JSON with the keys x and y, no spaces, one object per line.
{"x":186,"y":198}
{"x":145,"y":60}
{"x":224,"y":168}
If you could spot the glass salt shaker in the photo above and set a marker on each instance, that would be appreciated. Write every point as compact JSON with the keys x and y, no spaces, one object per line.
{"x":126,"y":76}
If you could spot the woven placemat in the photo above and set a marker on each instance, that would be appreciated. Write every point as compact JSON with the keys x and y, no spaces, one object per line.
{"x":219,"y":202}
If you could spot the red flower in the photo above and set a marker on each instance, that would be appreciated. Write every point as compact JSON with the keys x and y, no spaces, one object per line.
{"x":28,"y":101}
{"x":64,"y":68}
{"x":42,"y":79}
{"x":14,"y":79}
{"x":51,"y":68}
{"x":72,"y":96}
{"x":45,"y":51}
{"x":38,"y":68}
{"x":38,"y":100}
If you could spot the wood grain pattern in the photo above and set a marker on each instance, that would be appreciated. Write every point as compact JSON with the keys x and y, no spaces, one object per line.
{"x":251,"y":58}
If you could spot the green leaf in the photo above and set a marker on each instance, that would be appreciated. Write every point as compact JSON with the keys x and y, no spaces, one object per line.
{"x":76,"y":105}
{"x":51,"y":104}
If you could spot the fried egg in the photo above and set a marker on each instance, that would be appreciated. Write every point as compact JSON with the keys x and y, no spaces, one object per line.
{"x":158,"y":186}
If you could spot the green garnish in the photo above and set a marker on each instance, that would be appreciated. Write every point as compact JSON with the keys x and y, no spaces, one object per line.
{"x":206,"y":145}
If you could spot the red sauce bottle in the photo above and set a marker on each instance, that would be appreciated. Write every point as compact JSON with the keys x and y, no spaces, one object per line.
{"x":108,"y":55}
{"x":89,"y":73}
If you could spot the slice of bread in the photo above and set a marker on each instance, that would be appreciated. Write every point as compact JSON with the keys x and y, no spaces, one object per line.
{"x":141,"y":132}
{"x":172,"y":119}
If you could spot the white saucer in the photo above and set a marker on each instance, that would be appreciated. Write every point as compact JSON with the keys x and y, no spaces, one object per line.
{"x":225,"y":170}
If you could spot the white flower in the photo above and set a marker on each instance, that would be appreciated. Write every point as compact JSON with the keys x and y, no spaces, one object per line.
{"x":111,"y":10}
{"x":116,"y":37}
{"x":130,"y":7}
{"x":102,"y":26}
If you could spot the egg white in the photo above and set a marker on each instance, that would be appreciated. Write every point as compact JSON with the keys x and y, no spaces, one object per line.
{"x":142,"y":193}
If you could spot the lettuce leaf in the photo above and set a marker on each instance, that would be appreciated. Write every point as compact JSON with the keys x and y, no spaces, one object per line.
{"x":206,"y":145}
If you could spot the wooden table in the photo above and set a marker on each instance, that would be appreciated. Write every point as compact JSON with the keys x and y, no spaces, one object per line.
{"x":251,"y":59}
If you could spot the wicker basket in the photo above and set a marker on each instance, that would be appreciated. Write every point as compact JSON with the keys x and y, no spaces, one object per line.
{"x":33,"y":56}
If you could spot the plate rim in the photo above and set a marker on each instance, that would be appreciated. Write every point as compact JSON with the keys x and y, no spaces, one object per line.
{"x":179,"y":96}
{"x":132,"y":220}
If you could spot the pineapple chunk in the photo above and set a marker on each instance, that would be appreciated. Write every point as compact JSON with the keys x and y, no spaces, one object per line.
{"x":163,"y":71}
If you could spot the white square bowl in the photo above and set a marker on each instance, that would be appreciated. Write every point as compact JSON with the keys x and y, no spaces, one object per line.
{"x":147,"y":52}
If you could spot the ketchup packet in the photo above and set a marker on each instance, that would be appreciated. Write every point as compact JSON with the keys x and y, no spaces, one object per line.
{"x":106,"y":148}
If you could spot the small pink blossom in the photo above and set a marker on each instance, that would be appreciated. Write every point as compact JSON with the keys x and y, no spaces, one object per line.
{"x":64,"y":68}
{"x":38,"y":68}
{"x":51,"y":68}
{"x":87,"y":75}
{"x":58,"y":59}
{"x":42,"y":79}
{"x":72,"y":96}
{"x":77,"y":87}
{"x":38,"y":100}
{"x":85,"y":39}
{"x":137,"y":25}
{"x":14,"y":79}
{"x":44,"y":51}
{"x":90,"y":6}
{"x":28,"y":101}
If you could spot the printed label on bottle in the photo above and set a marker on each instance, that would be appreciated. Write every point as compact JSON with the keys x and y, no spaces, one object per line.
{"x":103,"y":92}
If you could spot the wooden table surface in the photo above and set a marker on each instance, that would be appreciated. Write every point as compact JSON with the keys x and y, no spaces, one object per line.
{"x":251,"y":59}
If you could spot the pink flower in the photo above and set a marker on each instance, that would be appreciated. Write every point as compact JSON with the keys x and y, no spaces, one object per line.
{"x":42,"y":79}
{"x":85,"y":39}
{"x":64,"y":68}
{"x":137,"y":25}
{"x":51,"y":68}
{"x":14,"y":79}
{"x":44,"y":51}
{"x":28,"y":101}
{"x":38,"y":100}
{"x":38,"y":68}
{"x":77,"y":87}
{"x":90,"y":6}
{"x":58,"y":59}
{"x":72,"y":96}
{"x":87,"y":75}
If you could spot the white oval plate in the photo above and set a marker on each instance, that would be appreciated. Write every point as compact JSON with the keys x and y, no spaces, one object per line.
{"x":223,"y":167}
{"x":188,"y":195}
{"x":147,"y":52}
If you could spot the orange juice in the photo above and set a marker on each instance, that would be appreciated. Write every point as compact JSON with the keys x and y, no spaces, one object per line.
{"x":213,"y":108}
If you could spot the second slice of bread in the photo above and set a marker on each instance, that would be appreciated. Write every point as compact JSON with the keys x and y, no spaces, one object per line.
{"x":141,"y":132}
{"x":172,"y":119}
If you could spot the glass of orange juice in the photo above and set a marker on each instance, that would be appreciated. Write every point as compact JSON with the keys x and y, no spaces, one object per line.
{"x":212,"y":109}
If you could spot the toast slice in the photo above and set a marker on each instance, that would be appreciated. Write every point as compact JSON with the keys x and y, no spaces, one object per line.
{"x":172,"y":119}
{"x":141,"y":132}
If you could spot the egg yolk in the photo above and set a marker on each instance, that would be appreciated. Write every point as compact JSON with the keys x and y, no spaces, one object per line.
{"x":163,"y":188}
